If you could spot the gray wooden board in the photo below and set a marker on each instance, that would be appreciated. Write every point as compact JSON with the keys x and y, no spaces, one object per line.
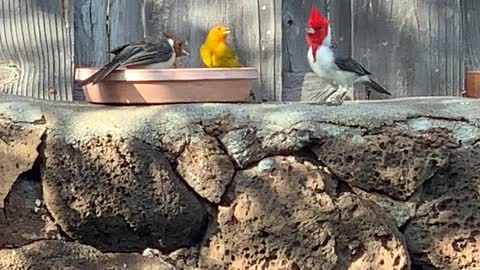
{"x":37,"y":48}
{"x":125,"y":21}
{"x":412,"y":47}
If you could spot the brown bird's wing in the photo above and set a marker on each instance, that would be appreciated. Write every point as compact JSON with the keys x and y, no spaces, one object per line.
{"x":137,"y":53}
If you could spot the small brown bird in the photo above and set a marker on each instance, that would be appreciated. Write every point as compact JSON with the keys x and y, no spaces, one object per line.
{"x":142,"y":54}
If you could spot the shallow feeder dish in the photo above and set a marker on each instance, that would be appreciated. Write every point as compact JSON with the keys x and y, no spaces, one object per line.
{"x":472,"y":84}
{"x":178,"y":85}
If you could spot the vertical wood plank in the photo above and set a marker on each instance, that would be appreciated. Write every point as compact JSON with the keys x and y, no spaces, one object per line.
{"x":91,"y":36}
{"x":125,"y":21}
{"x":37,"y":48}
{"x":278,"y":51}
{"x":412,"y":47}
{"x":340,"y":14}
{"x":270,"y":40}
{"x":471,"y":34}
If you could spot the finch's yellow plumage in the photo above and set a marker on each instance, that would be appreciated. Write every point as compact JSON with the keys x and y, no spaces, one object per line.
{"x":215,"y":52}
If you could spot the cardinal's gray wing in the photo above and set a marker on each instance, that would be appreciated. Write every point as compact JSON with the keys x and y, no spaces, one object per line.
{"x":349,"y":64}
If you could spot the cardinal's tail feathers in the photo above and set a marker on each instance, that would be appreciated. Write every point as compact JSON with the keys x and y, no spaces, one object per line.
{"x":375,"y":86}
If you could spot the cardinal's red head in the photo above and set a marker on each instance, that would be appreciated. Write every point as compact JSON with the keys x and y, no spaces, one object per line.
{"x":317,"y":29}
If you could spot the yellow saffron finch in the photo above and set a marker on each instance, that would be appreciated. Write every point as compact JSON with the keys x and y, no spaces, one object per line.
{"x":215,"y":52}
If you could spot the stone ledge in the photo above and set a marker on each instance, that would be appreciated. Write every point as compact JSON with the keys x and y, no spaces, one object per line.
{"x":259,"y":185}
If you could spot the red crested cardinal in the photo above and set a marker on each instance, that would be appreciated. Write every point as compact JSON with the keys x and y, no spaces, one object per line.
{"x":142,"y":54}
{"x":337,"y":70}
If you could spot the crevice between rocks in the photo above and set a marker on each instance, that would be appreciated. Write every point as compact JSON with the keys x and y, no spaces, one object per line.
{"x":36,"y":174}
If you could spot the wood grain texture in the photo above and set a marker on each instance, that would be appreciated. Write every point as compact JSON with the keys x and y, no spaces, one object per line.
{"x":294,"y":21}
{"x":340,"y":14}
{"x":471,"y":34}
{"x":270,"y":40}
{"x":91,"y":36}
{"x":125,"y":21}
{"x":36,"y":40}
{"x":412,"y":47}
{"x":278,"y":51}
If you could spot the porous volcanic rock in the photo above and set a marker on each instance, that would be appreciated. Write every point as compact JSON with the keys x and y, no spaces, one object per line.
{"x":401,"y":211}
{"x":367,"y":238}
{"x":120,"y":195}
{"x":285,"y":213}
{"x":387,"y":160}
{"x":206,"y":168}
{"x":445,"y":233}
{"x":59,"y":255}
{"x":18,"y":151}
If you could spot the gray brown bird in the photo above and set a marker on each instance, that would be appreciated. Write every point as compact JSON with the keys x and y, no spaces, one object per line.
{"x":142,"y":54}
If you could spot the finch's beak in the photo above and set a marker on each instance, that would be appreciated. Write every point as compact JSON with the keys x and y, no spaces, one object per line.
{"x":310,"y":30}
{"x":185,"y":52}
{"x":227,"y":31}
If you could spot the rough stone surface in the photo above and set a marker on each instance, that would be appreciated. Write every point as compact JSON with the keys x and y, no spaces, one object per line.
{"x":18,"y":151}
{"x":206,"y":168}
{"x":367,"y":238}
{"x":57,"y":255}
{"x":389,"y":161}
{"x":401,"y":211}
{"x":119,"y":196}
{"x":130,"y":178}
{"x":445,"y":232}
{"x":284,"y":214}
{"x":25,"y":219}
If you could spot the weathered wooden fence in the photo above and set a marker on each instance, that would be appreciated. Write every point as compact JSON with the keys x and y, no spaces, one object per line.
{"x":413,"y":47}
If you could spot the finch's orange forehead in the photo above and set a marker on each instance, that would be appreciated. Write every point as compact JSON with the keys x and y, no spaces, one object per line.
{"x":220,"y":28}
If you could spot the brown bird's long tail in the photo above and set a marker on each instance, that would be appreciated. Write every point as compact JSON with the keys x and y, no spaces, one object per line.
{"x":377,"y":87}
{"x":102,"y":73}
